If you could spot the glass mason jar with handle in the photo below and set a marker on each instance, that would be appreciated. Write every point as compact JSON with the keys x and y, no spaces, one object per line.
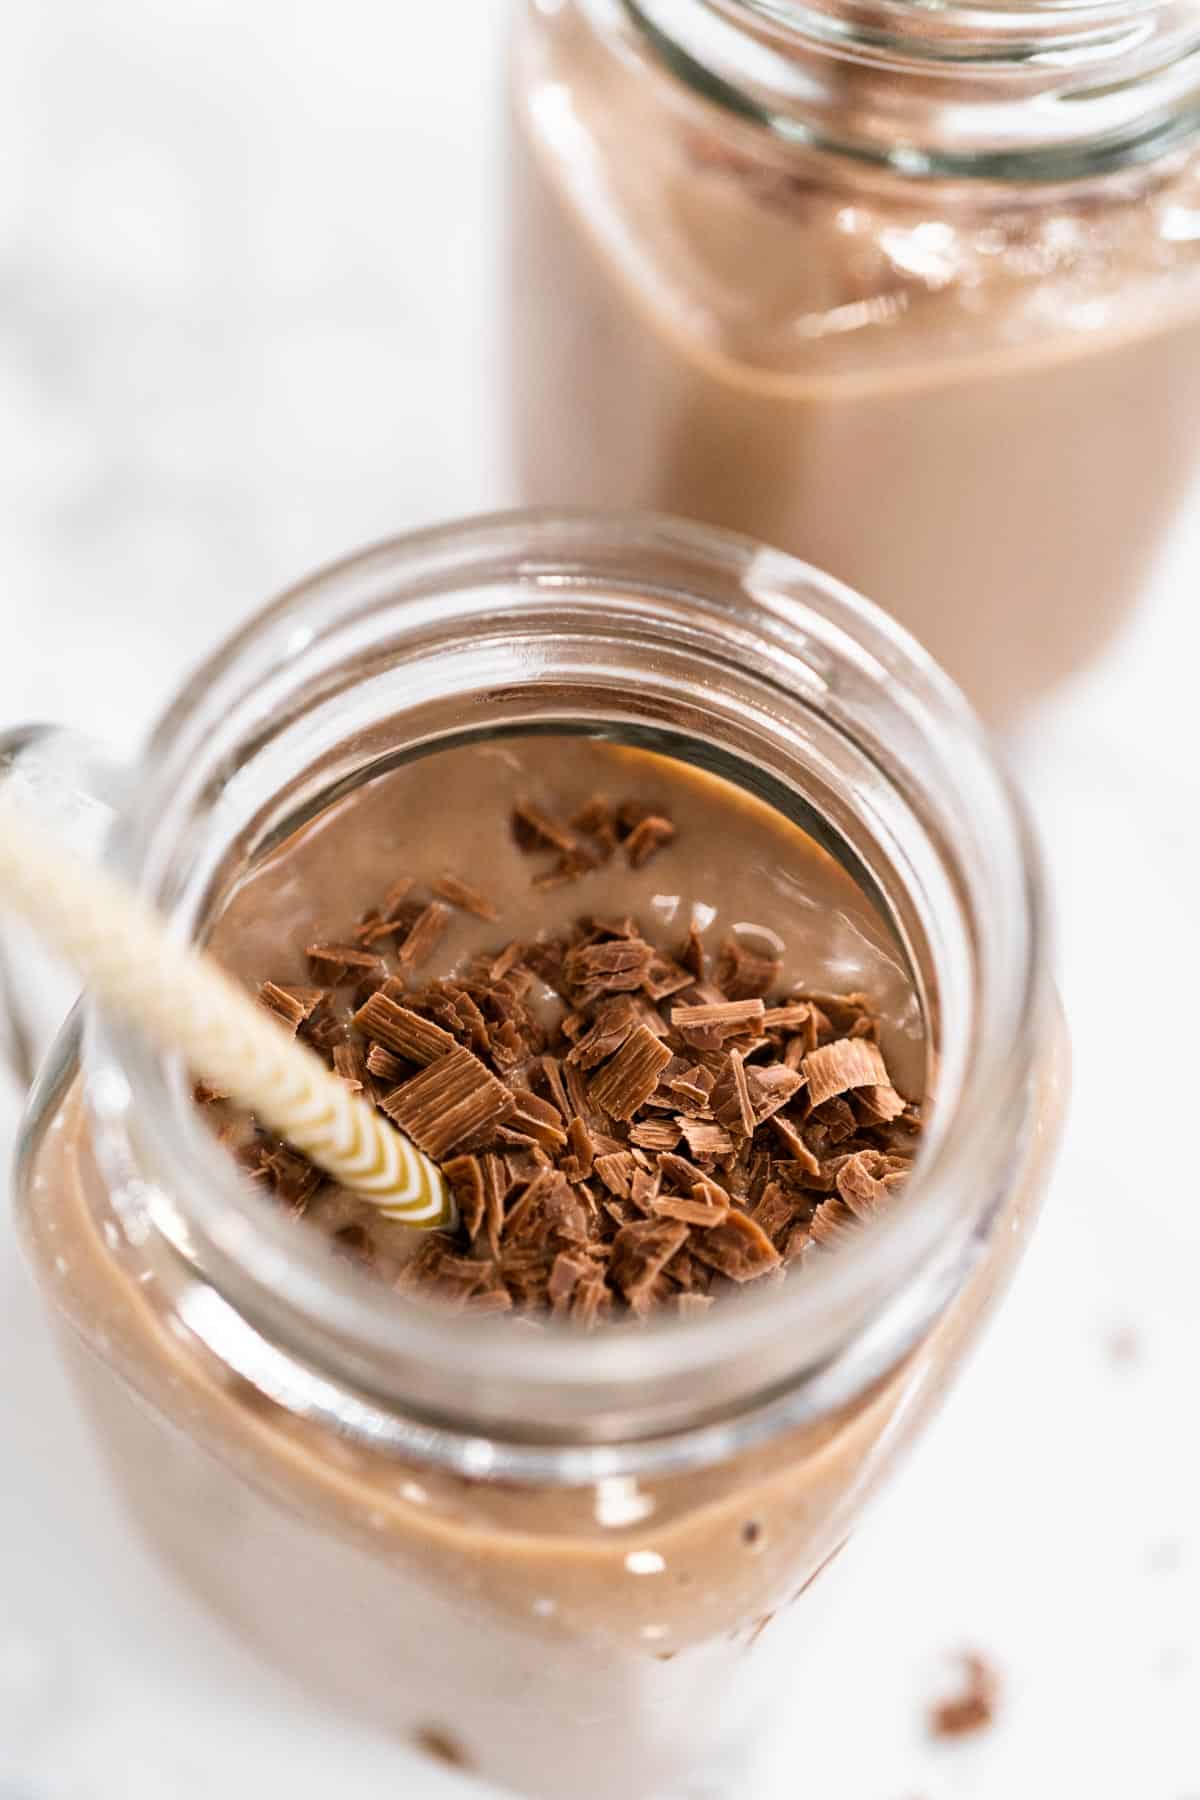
{"x":911,"y":291}
{"x":585,"y":1572}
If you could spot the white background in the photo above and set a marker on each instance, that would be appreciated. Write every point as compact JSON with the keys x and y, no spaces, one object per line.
{"x":247,"y":322}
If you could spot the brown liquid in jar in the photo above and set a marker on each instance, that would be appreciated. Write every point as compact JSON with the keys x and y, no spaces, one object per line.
{"x":981,"y":412}
{"x":595,"y":1640}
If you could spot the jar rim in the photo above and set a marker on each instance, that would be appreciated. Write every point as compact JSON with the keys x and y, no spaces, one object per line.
{"x":999,"y":92}
{"x":329,"y":1344}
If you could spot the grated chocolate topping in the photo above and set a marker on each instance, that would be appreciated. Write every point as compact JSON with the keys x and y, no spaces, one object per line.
{"x":626,"y":1125}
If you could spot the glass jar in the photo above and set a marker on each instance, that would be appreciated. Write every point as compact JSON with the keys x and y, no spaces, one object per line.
{"x":579,"y":1572}
{"x":910,"y":291}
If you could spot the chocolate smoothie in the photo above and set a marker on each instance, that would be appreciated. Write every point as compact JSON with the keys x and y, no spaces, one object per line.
{"x":978,"y":404}
{"x":602,"y":1640}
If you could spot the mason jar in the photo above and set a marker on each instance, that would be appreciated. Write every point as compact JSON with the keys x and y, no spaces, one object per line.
{"x":590,"y":1567}
{"x":911,"y":291}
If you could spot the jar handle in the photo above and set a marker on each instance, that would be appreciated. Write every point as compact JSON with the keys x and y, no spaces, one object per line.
{"x":75,"y":787}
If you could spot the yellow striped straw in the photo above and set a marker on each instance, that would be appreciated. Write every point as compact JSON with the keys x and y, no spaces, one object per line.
{"x":184,"y":1000}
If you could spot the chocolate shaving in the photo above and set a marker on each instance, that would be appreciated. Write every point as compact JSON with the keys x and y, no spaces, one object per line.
{"x":877,"y":1105}
{"x":553,"y":1077}
{"x":832,"y":1224}
{"x":616,"y":1170}
{"x":775,"y":1211}
{"x":465,"y":898}
{"x":737,"y":1247}
{"x":772,"y":1088}
{"x":381,"y":1062}
{"x":507,"y":960}
{"x":614,"y":1021}
{"x":665,"y":977}
{"x":643,"y":1188}
{"x":742,"y":1102}
{"x":291,"y":1175}
{"x":708,"y":1025}
{"x":465,"y":1175}
{"x":708,"y":1208}
{"x":350,"y":1063}
{"x":797,"y":1149}
{"x":640,"y":1251}
{"x":569,"y":1269}
{"x":453,"y":1101}
{"x":290,"y":1003}
{"x":649,"y":835}
{"x":538,"y":1119}
{"x":615,"y":965}
{"x":375,"y":930}
{"x":692,"y":955}
{"x":339,"y":957}
{"x":704,"y":1139}
{"x":744,"y":975}
{"x":535,"y":830}
{"x":848,"y":1063}
{"x":842,"y":1015}
{"x":787,"y":1018}
{"x":766,"y":1091}
{"x":582,"y":1149}
{"x":427,"y":929}
{"x":656,"y":1134}
{"x":495,"y":1186}
{"x":627,"y":1082}
{"x":399,"y":1029}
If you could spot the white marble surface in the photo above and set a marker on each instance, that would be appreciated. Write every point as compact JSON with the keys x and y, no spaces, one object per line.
{"x":246,"y":322}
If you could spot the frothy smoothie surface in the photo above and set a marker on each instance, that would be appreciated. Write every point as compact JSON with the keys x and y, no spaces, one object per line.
{"x":661,"y":1042}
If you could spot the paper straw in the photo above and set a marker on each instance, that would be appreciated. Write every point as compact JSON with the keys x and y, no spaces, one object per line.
{"x":184,"y":1000}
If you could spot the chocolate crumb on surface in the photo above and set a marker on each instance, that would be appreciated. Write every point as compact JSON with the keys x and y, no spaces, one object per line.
{"x":628,"y":1126}
{"x":973,"y":1708}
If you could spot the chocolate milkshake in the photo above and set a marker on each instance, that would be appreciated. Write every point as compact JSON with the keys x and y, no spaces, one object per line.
{"x":976,"y":400}
{"x":651,"y":1035}
{"x":605,"y":1637}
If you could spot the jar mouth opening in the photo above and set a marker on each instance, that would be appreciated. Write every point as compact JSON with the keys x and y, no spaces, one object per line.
{"x":266,"y":1295}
